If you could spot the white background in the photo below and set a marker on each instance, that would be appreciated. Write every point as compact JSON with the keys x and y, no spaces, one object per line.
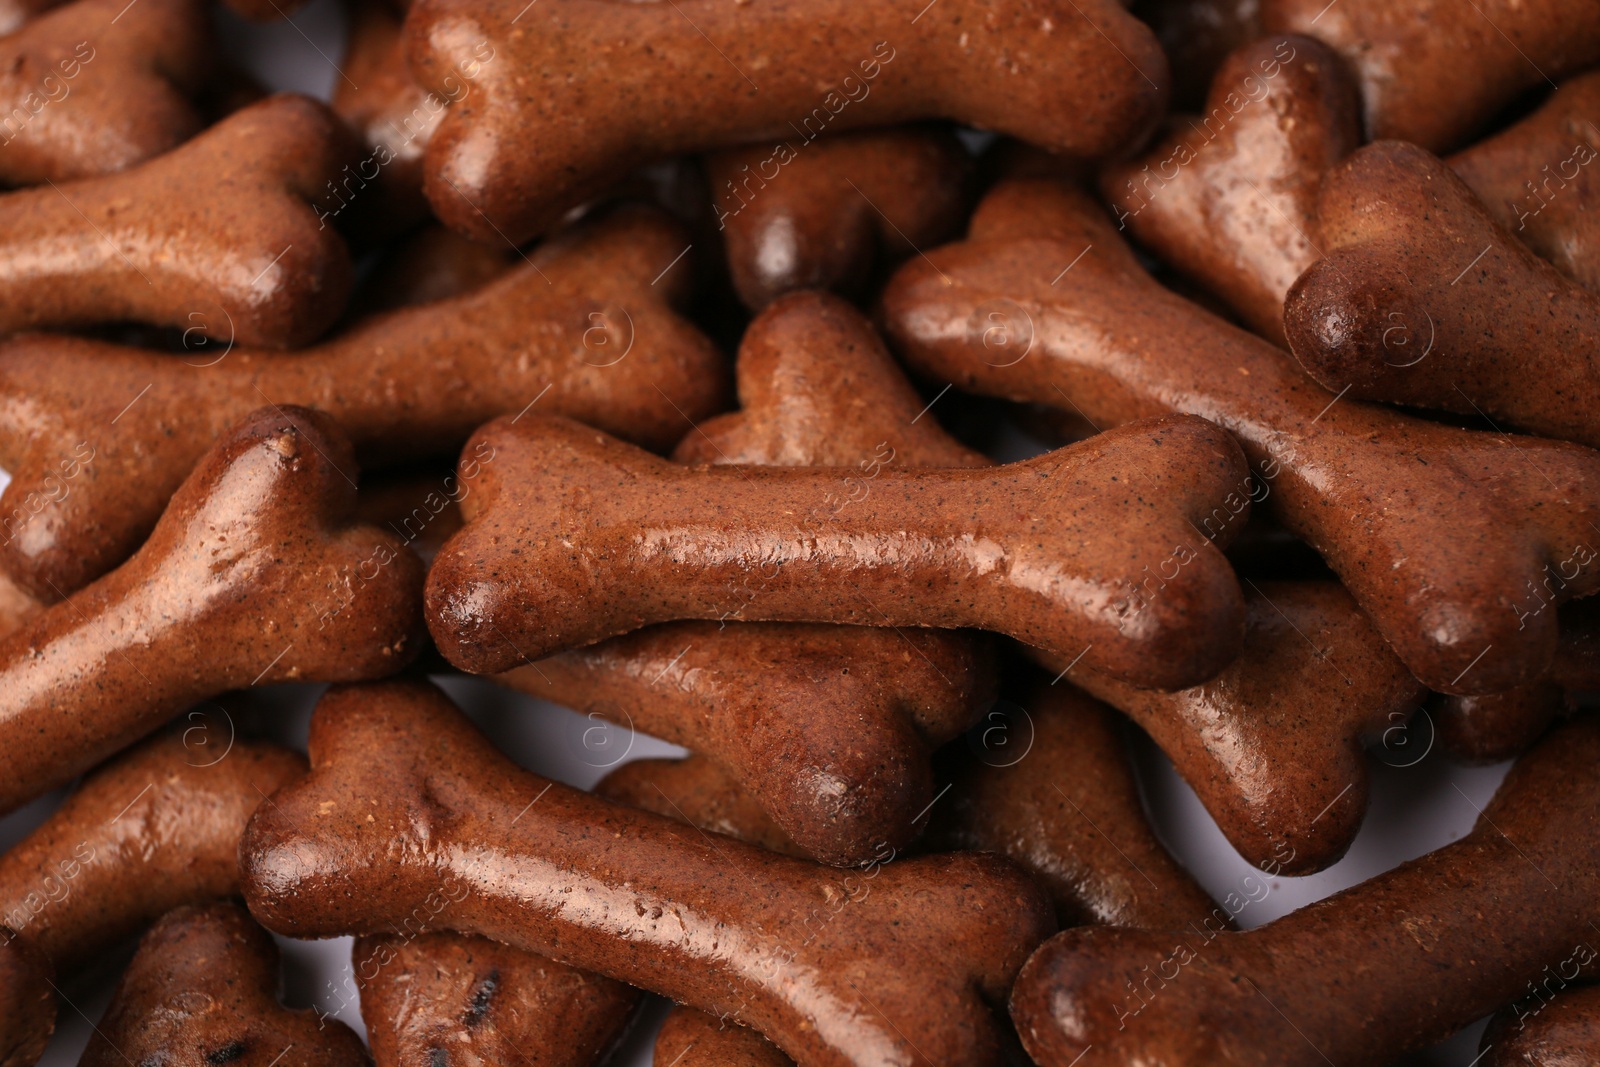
{"x":1414,"y":809}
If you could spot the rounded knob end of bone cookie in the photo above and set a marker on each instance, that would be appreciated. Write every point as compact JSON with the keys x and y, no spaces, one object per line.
{"x":461,"y":611}
{"x":1353,"y":332}
{"x":846,"y":823}
{"x":1467,"y":647}
{"x":1180,"y":639}
{"x":280,"y":881}
{"x":472,"y":188}
{"x":1080,"y":991}
{"x":1492,"y":727}
{"x":1067,"y":998}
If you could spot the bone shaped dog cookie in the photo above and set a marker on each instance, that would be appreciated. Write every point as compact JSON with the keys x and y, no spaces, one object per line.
{"x":406,"y":799}
{"x":828,"y":727}
{"x":798,"y":391}
{"x":432,"y":998}
{"x":574,"y":537}
{"x":215,"y":237}
{"x":153,"y":829}
{"x":1493,"y":329}
{"x":1053,"y":789}
{"x":850,"y":775}
{"x":1229,"y":197}
{"x":578,"y":330}
{"x":1537,"y":179}
{"x":1273,"y":744}
{"x":1082,"y":78}
{"x":255,"y":573}
{"x":821,"y":214}
{"x":1367,"y":487}
{"x":95,"y":87}
{"x":1338,"y":982}
{"x":1407,"y":56}
{"x":1556,"y":1024}
{"x":203,"y":990}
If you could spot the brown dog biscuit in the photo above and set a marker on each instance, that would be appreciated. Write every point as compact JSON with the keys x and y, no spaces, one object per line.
{"x":700,"y":791}
{"x":202,"y":991}
{"x":692,"y":1038}
{"x":1497,"y":726}
{"x":828,"y":727}
{"x":1053,"y":789}
{"x":579,"y":330}
{"x":1081,"y":77}
{"x":255,"y":573}
{"x":821,"y":214}
{"x":1537,"y":179}
{"x":1053,"y":550}
{"x":1492,"y":329}
{"x":1433,"y":72}
{"x":849,"y":776}
{"x":1273,"y":744}
{"x":213,"y":238}
{"x":435,"y":999}
{"x":1555,"y":1025}
{"x":27,"y":1003}
{"x":1432,"y":529}
{"x":154,"y":828}
{"x":1229,"y":197}
{"x":406,"y":799}
{"x":1380,"y":969}
{"x":94,"y":87}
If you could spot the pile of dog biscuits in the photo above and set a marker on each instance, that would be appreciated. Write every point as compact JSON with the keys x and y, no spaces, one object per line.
{"x":657,"y":360}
